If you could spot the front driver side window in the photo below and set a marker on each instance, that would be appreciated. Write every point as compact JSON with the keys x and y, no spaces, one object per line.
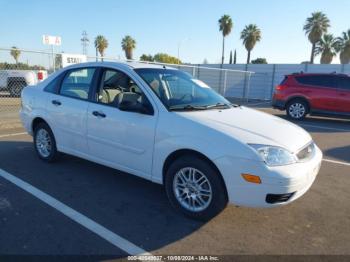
{"x":116,"y":88}
{"x":77,"y":83}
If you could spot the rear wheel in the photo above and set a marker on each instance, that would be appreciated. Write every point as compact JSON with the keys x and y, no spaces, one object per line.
{"x":297,"y":109}
{"x":195,"y":188}
{"x":45,"y":143}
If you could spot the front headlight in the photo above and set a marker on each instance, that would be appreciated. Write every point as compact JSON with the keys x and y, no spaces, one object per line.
{"x":274,"y":155}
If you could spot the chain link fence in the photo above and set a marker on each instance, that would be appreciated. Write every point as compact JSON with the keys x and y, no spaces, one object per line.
{"x":227,"y":82}
{"x":27,"y":67}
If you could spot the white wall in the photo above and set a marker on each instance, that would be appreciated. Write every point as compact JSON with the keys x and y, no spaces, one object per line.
{"x":264,"y":79}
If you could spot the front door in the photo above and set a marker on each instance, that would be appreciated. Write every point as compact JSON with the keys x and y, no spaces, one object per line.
{"x":118,"y":138}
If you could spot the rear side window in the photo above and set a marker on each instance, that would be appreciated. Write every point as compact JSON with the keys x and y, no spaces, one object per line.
{"x":344,"y":83}
{"x":318,"y":80}
{"x":77,"y":83}
{"x":53,"y":85}
{"x":284,"y":80}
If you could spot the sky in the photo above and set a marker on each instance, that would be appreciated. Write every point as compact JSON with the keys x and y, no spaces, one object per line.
{"x":160,"y":25}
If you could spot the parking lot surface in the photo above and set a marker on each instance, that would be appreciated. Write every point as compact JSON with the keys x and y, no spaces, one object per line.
{"x":137,"y":210}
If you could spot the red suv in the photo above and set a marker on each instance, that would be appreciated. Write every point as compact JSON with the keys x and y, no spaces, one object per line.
{"x":317,"y":94}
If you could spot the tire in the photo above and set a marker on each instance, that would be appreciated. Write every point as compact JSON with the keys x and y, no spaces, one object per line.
{"x":45,"y":143}
{"x":15,"y":88}
{"x":213,"y":183}
{"x":297,"y":109}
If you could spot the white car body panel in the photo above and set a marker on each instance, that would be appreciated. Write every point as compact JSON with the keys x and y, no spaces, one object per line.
{"x":140,"y":144}
{"x":116,"y":139}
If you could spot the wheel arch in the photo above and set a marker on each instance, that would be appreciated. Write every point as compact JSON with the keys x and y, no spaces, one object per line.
{"x":37,"y":120}
{"x":184,"y":152}
{"x":305,"y":99}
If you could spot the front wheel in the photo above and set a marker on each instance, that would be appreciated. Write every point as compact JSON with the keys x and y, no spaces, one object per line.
{"x":45,"y":143}
{"x":297,"y":109}
{"x":195,"y":188}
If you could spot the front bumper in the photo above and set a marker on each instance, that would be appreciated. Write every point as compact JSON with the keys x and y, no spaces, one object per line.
{"x":286,"y":183}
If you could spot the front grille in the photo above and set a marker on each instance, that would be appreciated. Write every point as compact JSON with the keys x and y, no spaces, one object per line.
{"x":278,"y":198}
{"x":307,"y":152}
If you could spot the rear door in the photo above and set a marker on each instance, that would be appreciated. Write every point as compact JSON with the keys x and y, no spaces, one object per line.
{"x":344,"y":94}
{"x":321,"y":91}
{"x":67,"y":109}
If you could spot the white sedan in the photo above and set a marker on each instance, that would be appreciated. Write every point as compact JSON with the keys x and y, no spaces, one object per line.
{"x":161,"y":124}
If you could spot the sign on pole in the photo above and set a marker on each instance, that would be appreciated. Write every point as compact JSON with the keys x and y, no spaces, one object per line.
{"x":52,"y":40}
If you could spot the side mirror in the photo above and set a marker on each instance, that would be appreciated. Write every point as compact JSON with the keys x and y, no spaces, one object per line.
{"x":136,"y":107}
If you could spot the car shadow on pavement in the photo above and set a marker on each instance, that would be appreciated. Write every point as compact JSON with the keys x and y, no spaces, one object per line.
{"x":131,"y":207}
{"x":339,"y":153}
{"x":321,"y":125}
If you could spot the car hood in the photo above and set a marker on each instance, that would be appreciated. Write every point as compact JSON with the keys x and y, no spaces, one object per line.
{"x":253,"y":127}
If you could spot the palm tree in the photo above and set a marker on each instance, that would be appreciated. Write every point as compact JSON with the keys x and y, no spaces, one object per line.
{"x":128,"y":45}
{"x":101,"y":45}
{"x":250,"y":35}
{"x":15,"y":53}
{"x":316,"y":25}
{"x":327,"y":47}
{"x":344,"y":47}
{"x":225,"y":26}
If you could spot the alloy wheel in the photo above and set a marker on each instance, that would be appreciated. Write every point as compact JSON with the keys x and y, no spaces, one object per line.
{"x":192,"y":189}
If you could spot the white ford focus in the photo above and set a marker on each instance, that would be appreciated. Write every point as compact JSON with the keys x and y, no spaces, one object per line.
{"x":163,"y":125}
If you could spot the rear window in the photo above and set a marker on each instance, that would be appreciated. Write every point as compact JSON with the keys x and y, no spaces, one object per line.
{"x":344,"y":83}
{"x":318,"y":80}
{"x":284,"y":80}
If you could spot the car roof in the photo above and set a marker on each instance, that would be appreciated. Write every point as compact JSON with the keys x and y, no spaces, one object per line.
{"x":317,"y":74}
{"x":122,"y":64}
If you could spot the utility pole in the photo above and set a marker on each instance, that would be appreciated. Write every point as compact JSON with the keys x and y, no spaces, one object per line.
{"x":178,"y":48}
{"x":84,"y":42}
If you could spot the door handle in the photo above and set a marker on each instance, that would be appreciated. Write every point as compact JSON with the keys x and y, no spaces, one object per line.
{"x":99,"y":114}
{"x":56,"y":102}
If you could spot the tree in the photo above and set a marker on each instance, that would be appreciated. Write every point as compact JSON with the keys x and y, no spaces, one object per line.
{"x":225,"y":26}
{"x":235,"y":57}
{"x":316,"y":25}
{"x":327,"y":47}
{"x":101,"y":45}
{"x":343,"y":46}
{"x":165,"y":58}
{"x":128,"y":45}
{"x":250,"y":35}
{"x":148,"y":58}
{"x":230,"y":57}
{"x":15,"y":53}
{"x":259,"y":61}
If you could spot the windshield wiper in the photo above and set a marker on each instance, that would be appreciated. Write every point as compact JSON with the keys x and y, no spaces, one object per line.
{"x":186,"y":108}
{"x":218,"y":105}
{"x":194,"y":107}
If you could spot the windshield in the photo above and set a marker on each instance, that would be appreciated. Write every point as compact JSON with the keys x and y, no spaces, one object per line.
{"x":180,"y":91}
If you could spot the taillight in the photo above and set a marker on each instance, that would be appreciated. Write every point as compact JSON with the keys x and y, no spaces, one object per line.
{"x":40,"y":76}
{"x":280,"y":87}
